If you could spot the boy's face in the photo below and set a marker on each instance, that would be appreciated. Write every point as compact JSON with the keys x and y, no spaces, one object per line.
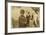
{"x":22,"y":12}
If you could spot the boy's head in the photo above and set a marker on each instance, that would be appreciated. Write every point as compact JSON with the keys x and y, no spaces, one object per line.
{"x":22,"y":11}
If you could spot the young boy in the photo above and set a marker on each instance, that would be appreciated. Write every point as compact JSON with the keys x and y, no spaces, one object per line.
{"x":22,"y":19}
{"x":28,"y":19}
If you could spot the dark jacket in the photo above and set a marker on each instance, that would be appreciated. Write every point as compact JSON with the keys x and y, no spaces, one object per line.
{"x":22,"y":21}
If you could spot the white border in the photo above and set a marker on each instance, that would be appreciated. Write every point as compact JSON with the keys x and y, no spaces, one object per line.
{"x":10,"y":30}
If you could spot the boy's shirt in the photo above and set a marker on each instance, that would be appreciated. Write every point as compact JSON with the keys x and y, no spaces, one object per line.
{"x":22,"y":21}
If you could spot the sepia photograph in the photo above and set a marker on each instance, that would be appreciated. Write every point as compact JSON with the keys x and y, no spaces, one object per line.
{"x":25,"y":17}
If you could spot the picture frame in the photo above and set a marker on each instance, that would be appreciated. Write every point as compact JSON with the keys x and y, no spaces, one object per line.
{"x":23,"y":4}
